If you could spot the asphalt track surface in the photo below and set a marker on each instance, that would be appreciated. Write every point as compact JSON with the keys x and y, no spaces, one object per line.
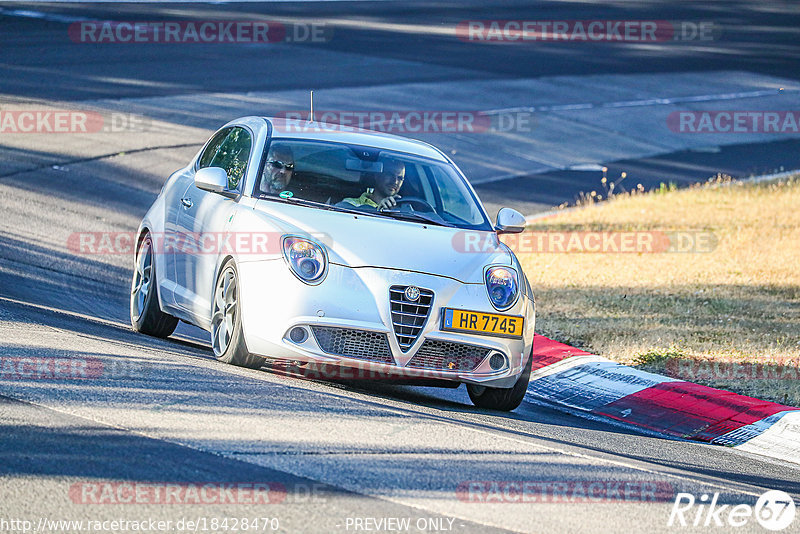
{"x":375,"y":50}
{"x":165,"y":412}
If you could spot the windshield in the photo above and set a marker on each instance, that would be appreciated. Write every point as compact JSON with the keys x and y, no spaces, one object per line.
{"x":368,"y":180}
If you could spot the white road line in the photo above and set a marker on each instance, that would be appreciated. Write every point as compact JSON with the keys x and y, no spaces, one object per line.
{"x":55,"y":17}
{"x":641,"y":103}
{"x":52,"y":17}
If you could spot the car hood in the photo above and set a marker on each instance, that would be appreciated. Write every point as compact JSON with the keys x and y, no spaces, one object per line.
{"x":367,"y":241}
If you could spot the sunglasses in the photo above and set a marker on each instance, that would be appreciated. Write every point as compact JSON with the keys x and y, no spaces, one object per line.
{"x":281,"y":164}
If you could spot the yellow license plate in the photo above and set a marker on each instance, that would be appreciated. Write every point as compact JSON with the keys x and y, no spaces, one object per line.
{"x":492,"y":324}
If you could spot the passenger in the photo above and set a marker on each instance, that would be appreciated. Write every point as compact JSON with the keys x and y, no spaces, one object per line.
{"x":278,"y":169}
{"x":384,"y":195}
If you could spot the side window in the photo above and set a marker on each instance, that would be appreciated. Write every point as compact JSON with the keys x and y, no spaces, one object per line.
{"x":212,"y":148}
{"x":231,"y":153}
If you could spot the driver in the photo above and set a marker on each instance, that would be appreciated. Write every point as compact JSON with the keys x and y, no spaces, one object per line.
{"x":278,"y":169}
{"x":384,"y":195}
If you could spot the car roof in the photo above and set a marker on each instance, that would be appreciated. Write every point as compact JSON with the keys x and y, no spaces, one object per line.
{"x":321,"y":131}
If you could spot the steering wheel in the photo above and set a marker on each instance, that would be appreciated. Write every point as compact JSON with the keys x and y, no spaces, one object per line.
{"x":415,"y":203}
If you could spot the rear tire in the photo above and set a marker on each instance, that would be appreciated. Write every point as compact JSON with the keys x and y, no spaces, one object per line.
{"x":503,"y":399}
{"x":146,"y":315}
{"x":227,"y":339}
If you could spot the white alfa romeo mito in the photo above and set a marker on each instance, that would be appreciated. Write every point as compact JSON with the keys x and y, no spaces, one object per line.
{"x":304,"y":242}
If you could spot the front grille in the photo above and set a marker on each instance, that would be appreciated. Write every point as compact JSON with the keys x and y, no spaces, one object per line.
{"x":448,"y":356}
{"x":408,"y":317}
{"x":360,"y":344}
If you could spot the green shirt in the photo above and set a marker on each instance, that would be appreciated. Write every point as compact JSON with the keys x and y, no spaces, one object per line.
{"x":363,"y":200}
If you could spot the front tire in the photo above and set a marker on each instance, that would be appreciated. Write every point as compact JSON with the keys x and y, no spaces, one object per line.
{"x":227,"y":339}
{"x":503,"y":399}
{"x":146,"y":315}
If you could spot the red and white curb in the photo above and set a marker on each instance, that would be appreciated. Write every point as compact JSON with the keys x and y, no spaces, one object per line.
{"x":598,"y":387}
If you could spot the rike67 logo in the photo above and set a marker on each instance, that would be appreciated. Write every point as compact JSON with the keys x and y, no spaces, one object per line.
{"x":774,"y":510}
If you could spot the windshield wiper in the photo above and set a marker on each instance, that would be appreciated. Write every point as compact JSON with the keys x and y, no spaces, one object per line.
{"x":395,"y":214}
{"x":313,"y":204}
{"x":415,"y":216}
{"x":293,"y":200}
{"x":298,"y":201}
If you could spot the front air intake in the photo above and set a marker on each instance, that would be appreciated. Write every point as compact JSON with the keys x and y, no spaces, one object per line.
{"x":351,"y":343}
{"x":409,"y":315}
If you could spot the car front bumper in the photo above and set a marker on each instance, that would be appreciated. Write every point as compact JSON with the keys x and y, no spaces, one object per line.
{"x":348,"y":315}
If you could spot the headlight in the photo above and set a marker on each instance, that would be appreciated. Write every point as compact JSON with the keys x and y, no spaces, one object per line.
{"x":503,"y":286}
{"x":306,"y":259}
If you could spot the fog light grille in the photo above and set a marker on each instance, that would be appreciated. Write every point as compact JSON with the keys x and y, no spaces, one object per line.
{"x":448,"y":356}
{"x":351,"y":343}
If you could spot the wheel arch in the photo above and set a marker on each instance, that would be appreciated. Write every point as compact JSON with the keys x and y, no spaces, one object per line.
{"x":144,"y":229}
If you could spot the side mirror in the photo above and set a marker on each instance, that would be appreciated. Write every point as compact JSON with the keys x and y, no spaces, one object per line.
{"x":213,"y":179}
{"x":509,"y":221}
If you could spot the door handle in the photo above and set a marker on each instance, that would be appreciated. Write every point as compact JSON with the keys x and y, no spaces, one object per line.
{"x":187,"y":202}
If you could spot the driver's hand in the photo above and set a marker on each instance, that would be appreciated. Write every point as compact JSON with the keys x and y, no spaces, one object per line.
{"x":388,"y":202}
